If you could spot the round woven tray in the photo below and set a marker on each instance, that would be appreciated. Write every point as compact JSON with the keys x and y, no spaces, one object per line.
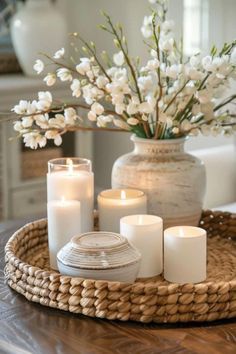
{"x":27,"y":271}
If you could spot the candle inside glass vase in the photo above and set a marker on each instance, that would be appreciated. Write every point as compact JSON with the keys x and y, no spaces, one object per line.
{"x":63,"y":223}
{"x":113,"y":204}
{"x":72,"y":178}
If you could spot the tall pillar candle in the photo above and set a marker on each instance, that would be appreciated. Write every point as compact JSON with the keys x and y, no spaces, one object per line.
{"x":63,"y":223}
{"x":72,"y":179}
{"x":185,"y":253}
{"x":113,"y":204}
{"x":145,"y":232}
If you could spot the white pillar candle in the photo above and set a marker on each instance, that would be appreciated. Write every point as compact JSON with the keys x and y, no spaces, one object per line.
{"x":185,"y":254}
{"x":113,"y":204}
{"x":73,"y":180}
{"x":145,"y":232}
{"x":63,"y":223}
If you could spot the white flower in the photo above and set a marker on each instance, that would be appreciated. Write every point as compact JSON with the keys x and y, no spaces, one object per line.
{"x":91,"y":93}
{"x":207,"y":63}
{"x":132,"y":121}
{"x":117,"y":99}
{"x":58,"y":122}
{"x":45,"y":100}
{"x":119,"y":108}
{"x":22,"y":107}
{"x":92,"y":116}
{"x":102,"y":81}
{"x":146,"y":28}
{"x":153,"y":53}
{"x":76,"y":88}
{"x":173,"y":71}
{"x":145,"y":107}
{"x":119,"y":85}
{"x":42,"y":121}
{"x":50,"y":79}
{"x":121,"y":124}
{"x":219,"y":65}
{"x":204,"y":96}
{"x":39,"y":66}
{"x":133,"y":105}
{"x":146,"y":83}
{"x":97,"y":108}
{"x":27,"y":122}
{"x":194,"y":74}
{"x":90,"y":75}
{"x":34,"y":139}
{"x":195,"y":61}
{"x":119,"y":58}
{"x":84,"y":66}
{"x":59,"y":54}
{"x":175,"y":130}
{"x":153,"y":64}
{"x":164,"y":118}
{"x":103,"y":120}
{"x":64,"y":74}
{"x":70,"y":115}
{"x":167,"y":45}
{"x":52,"y":134}
{"x":45,"y":96}
{"x":167,"y":26}
{"x":18,"y":126}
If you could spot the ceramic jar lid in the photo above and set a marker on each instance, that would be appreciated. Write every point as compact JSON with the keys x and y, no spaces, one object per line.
{"x":98,"y":250}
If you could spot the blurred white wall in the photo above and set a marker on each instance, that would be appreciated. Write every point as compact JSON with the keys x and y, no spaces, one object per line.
{"x":84,"y":15}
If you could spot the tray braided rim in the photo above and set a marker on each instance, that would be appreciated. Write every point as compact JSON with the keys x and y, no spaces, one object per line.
{"x":150,"y":300}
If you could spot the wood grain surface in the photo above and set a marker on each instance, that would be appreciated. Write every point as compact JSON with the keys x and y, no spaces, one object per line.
{"x":28,"y":328}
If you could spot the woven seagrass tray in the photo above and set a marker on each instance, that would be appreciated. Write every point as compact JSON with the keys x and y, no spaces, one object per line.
{"x":153,"y":300}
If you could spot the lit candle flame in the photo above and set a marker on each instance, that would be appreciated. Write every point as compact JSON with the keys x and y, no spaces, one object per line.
{"x":69,"y":163}
{"x":181,"y":232}
{"x":63,"y":200}
{"x":140,"y":219}
{"x":123,"y":195}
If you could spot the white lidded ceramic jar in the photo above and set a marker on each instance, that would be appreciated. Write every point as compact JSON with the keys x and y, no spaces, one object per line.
{"x":173,"y":180}
{"x":37,"y":28}
{"x":101,"y":256}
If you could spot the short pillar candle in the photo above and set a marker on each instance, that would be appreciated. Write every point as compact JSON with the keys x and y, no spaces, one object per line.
{"x":145,"y":232}
{"x":185,"y":252}
{"x":63,"y":223}
{"x":113,"y":204}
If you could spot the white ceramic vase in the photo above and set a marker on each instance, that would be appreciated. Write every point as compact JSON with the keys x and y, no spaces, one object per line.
{"x":37,"y":27}
{"x":173,"y":180}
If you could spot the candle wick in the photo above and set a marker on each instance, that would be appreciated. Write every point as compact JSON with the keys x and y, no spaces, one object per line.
{"x":123,"y":195}
{"x":69,"y":163}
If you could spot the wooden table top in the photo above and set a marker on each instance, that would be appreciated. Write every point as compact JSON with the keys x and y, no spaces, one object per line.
{"x":29,"y":328}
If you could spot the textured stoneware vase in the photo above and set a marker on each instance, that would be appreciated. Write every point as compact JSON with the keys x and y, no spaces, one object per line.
{"x":173,"y":180}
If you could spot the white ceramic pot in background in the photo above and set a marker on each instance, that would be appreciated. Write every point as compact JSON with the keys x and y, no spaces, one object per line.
{"x":173,"y":180}
{"x":37,"y":27}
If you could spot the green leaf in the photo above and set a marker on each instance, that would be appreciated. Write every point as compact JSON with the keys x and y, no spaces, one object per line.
{"x":139,"y":131}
